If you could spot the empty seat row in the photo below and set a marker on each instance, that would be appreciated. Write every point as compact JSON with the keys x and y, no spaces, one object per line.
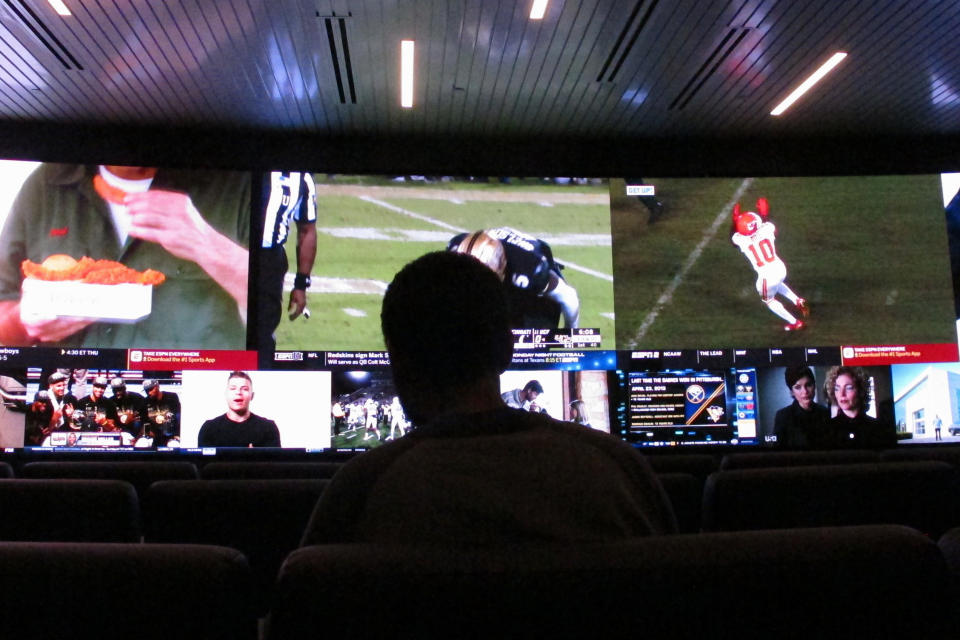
{"x":121,"y":591}
{"x":141,"y":474}
{"x":264,"y":519}
{"x":857,"y":582}
{"x":870,"y":581}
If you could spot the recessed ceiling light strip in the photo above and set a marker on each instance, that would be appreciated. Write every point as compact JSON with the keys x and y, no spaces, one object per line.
{"x":406,"y":73}
{"x":808,"y":84}
{"x":538,"y":10}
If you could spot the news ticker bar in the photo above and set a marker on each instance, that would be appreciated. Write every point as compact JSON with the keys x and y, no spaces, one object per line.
{"x":549,"y":358}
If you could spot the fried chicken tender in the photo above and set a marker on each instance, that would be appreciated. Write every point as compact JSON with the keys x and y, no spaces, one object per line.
{"x":61,"y":267}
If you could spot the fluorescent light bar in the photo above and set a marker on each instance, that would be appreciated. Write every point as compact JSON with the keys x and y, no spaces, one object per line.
{"x":807,"y":84}
{"x":406,"y":73}
{"x":59,"y":7}
{"x":538,"y":9}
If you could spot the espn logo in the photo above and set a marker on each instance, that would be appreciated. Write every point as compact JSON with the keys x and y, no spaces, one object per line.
{"x":640,"y":190}
{"x":289,"y":356}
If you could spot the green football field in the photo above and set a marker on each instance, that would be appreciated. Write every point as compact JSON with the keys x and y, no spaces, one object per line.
{"x":368,"y":229}
{"x":869,"y":254}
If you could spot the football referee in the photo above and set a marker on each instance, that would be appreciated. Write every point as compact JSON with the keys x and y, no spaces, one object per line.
{"x":288,"y":196}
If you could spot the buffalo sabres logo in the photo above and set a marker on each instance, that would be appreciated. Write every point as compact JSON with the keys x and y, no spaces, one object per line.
{"x":716,"y":412}
{"x":695,"y":394}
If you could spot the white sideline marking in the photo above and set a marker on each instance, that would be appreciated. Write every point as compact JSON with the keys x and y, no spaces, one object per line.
{"x":608,"y":315}
{"x":667,"y":296}
{"x":356,"y":313}
{"x":340,"y":285}
{"x":412,"y":214}
{"x":443,"y":225}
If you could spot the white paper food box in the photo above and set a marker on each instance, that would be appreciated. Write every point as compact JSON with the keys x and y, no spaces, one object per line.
{"x":105,"y":302}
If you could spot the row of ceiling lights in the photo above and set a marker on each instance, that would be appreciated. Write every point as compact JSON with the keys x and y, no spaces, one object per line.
{"x":538,"y":10}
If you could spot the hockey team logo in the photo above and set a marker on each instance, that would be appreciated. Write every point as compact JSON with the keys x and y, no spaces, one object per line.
{"x":695,"y":394}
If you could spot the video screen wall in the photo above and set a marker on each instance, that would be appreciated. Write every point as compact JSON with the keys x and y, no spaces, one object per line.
{"x":152,"y":309}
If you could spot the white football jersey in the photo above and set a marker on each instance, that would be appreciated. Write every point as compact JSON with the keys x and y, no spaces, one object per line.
{"x":761,"y":249}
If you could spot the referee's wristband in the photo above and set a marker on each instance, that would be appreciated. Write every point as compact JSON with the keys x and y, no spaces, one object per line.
{"x":301,"y":281}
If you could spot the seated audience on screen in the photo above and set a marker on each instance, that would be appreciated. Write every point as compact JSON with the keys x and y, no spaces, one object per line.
{"x":804,"y":424}
{"x":239,"y":427}
{"x":473,"y":470}
{"x":852,"y":428}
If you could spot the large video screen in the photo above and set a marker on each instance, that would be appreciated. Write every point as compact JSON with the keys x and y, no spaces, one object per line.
{"x":548,"y":239}
{"x":829,"y":261}
{"x":178,"y":310}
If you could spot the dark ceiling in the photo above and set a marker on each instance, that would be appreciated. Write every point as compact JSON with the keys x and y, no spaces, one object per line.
{"x":645,"y":75}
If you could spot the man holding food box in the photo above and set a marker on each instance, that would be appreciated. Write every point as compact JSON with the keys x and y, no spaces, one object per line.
{"x":114,"y":256}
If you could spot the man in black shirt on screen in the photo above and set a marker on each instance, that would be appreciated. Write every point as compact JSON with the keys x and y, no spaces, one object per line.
{"x":239,"y":427}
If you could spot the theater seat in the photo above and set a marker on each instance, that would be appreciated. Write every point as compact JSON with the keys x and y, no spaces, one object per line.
{"x":269,"y":470}
{"x":856,"y":582}
{"x":264,"y":519}
{"x":923,"y":495}
{"x":124,"y":591}
{"x":69,"y":511}
{"x":765,"y":459}
{"x":685,"y":492}
{"x":141,"y":474}
{"x":6,"y":471}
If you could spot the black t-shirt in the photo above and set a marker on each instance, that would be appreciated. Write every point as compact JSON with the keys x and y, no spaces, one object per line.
{"x":224,"y":432}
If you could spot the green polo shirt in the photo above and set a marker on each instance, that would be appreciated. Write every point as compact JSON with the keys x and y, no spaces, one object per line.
{"x":58,"y":211}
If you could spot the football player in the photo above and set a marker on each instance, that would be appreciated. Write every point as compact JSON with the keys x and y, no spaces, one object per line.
{"x":536,"y":289}
{"x":756,"y":237}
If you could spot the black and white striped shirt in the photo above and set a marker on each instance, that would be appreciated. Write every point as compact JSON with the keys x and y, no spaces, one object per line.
{"x":290,"y":196}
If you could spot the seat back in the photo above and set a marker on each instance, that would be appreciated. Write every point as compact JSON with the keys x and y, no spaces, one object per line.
{"x":765,"y":459}
{"x":141,"y":474}
{"x":269,"y":470}
{"x":69,"y":511}
{"x":265,"y":519}
{"x":685,"y":492}
{"x":124,"y":591}
{"x":886,"y":581}
{"x":922,"y":495}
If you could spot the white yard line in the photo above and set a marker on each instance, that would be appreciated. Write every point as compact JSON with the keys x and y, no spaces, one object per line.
{"x":412,"y":214}
{"x":443,"y":225}
{"x":667,"y":296}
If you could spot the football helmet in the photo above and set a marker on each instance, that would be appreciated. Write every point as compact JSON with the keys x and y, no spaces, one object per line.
{"x":485,"y":248}
{"x":748,"y":223}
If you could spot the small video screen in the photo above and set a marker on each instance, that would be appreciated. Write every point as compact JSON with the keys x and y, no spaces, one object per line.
{"x":781,"y":262}
{"x":827,"y":407}
{"x":102,"y":409}
{"x":256,"y":409}
{"x":684,"y":407}
{"x":95,"y":256}
{"x":925,"y":402}
{"x":581,"y":397}
{"x":322,"y":282}
{"x":15,"y":405}
{"x":365,"y":411}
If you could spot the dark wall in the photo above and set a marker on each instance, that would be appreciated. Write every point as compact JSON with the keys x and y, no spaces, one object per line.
{"x":262,"y":149}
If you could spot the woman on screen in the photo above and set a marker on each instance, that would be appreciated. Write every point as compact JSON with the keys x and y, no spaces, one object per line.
{"x":804,"y":424}
{"x":849,"y":391}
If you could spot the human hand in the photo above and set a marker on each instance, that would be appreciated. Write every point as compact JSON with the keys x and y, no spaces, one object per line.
{"x":169,"y":219}
{"x":54,"y":329}
{"x":298,"y":302}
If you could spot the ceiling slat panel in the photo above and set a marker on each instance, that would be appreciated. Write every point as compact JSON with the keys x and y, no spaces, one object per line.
{"x":147,"y":57}
{"x":576,"y":111}
{"x":677,"y":41}
{"x":567,"y":81}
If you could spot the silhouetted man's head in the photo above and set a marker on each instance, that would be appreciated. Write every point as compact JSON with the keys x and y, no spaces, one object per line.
{"x":446,"y":324}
